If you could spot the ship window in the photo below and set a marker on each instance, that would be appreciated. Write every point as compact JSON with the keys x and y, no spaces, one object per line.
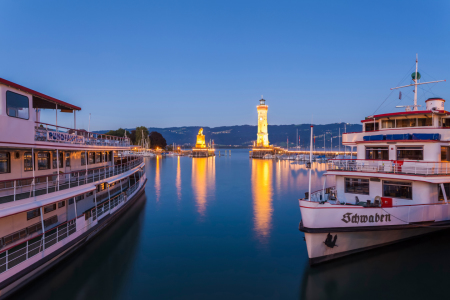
{"x":447,"y":191}
{"x":51,"y":221}
{"x":98,"y":157}
{"x":49,"y":208}
{"x":370,"y":126}
{"x":43,"y":160}
{"x":33,"y":213}
{"x":424,"y":121}
{"x":406,"y":122}
{"x":381,"y":153}
{"x":17,"y":105}
{"x":357,"y":186}
{"x":397,"y":189}
{"x":444,"y":153}
{"x":83,"y":158}
{"x":61,"y":204}
{"x":79,"y":197}
{"x":55,"y":159}
{"x":34,"y":228}
{"x":27,"y":162}
{"x":388,"y":124}
{"x":445,"y":123}
{"x":5,"y":162}
{"x":91,"y":158}
{"x":67,"y":159}
{"x":409,"y":153}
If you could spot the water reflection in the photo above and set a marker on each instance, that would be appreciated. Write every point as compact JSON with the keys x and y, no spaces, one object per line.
{"x":157,"y":178}
{"x":262,"y":191}
{"x":100,"y":269}
{"x":178,"y":180}
{"x":203,"y":181}
{"x":408,"y":270}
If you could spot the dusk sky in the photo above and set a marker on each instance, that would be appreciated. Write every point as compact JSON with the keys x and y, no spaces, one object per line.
{"x":207,"y":63}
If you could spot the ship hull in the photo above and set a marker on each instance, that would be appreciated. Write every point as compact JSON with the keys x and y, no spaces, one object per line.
{"x":19,"y":280}
{"x":343,"y":243}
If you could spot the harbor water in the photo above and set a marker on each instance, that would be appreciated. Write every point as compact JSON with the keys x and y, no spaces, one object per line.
{"x":227,"y":228}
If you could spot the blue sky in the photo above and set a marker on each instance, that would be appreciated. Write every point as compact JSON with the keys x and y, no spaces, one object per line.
{"x":206,"y":63}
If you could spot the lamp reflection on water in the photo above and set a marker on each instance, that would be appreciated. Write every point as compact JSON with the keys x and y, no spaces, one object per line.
{"x":262,"y":192}
{"x":203,"y":181}
{"x":178,"y":180}
{"x":157,"y":179}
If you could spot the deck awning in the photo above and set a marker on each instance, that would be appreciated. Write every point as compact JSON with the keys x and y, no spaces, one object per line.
{"x":40,"y":100}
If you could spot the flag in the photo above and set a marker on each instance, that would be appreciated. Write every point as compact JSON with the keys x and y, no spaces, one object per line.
{"x":400,"y":95}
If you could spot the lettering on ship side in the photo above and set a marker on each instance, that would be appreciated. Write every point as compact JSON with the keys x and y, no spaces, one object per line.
{"x":357,"y":219}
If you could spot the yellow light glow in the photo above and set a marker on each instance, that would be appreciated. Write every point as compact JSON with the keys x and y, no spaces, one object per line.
{"x":157,"y":180}
{"x":263,"y":135}
{"x":203,"y":181}
{"x":262,"y":197}
{"x":200,"y":139}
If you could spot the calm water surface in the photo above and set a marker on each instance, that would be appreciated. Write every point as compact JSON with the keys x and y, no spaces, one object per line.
{"x":227,"y":228}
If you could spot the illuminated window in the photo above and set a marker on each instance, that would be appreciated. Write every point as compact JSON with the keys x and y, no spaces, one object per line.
{"x":67,"y":159}
{"x":83,"y":158}
{"x":43,"y":160}
{"x":27,"y":162}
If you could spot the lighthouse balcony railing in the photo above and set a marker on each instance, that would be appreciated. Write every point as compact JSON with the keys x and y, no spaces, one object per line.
{"x":390,"y":166}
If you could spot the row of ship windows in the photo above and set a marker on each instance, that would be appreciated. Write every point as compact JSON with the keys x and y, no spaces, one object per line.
{"x":403,"y":153}
{"x":401,"y":123}
{"x":23,"y":233}
{"x":44,"y":158}
{"x":393,"y":189}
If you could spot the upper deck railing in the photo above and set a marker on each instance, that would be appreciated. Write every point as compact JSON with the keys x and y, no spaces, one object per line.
{"x":23,"y":188}
{"x":390,"y":166}
{"x":58,"y":134}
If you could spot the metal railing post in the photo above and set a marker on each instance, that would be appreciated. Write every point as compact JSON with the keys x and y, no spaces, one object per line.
{"x":15,"y":190}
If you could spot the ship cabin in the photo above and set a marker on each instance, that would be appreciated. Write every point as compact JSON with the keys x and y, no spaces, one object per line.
{"x":52,"y":176}
{"x":402,"y":158}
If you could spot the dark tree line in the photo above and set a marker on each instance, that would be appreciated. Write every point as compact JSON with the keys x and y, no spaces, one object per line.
{"x":155,"y":139}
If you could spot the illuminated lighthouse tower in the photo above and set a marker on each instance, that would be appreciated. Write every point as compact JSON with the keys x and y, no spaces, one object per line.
{"x":263,"y":135}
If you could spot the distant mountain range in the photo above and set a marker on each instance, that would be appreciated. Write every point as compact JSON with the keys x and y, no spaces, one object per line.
{"x":244,"y":135}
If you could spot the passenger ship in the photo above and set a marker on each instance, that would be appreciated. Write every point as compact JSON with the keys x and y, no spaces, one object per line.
{"x":397,"y":188}
{"x":59,"y":187}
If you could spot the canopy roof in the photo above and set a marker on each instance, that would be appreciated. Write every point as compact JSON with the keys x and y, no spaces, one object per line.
{"x":40,"y":100}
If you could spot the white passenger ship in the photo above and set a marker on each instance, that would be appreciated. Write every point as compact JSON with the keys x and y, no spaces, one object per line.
{"x":396,"y":189}
{"x":59,"y":186}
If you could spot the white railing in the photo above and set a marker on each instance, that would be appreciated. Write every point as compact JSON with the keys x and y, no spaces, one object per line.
{"x":323,"y":195}
{"x":12,"y":257}
{"x":23,"y":188}
{"x":58,"y":134}
{"x":19,"y":253}
{"x":389,"y":166}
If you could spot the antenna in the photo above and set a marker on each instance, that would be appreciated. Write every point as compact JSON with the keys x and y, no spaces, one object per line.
{"x":415,"y":77}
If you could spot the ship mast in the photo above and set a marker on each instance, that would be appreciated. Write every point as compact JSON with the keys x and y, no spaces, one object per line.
{"x":415,"y":77}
